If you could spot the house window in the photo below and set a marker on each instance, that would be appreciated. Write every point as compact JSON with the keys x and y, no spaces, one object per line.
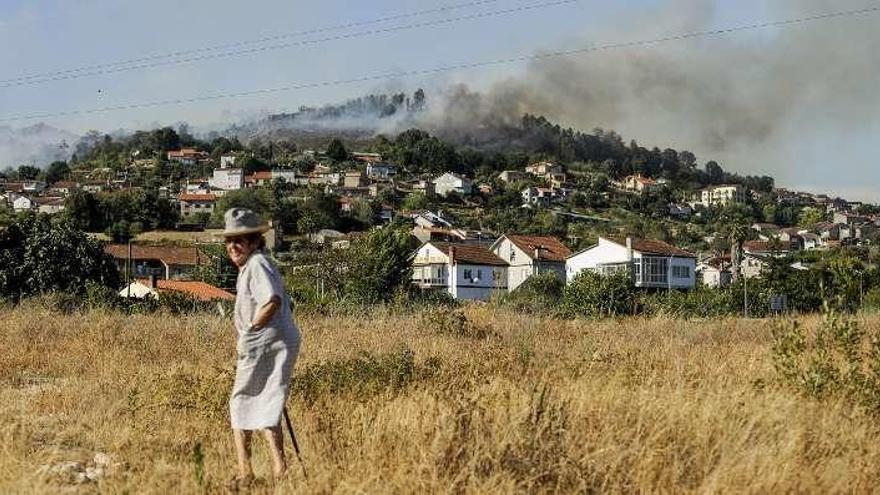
{"x":681,"y":272}
{"x":479,"y":275}
{"x":656,"y":270}
{"x":468,"y":274}
{"x":512,"y":254}
{"x":496,"y":275}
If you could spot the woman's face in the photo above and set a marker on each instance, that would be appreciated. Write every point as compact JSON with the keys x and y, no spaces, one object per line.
{"x":239,"y":248}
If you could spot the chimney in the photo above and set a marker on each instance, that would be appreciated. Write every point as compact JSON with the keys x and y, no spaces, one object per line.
{"x":629,"y":248}
{"x":153,"y":281}
{"x":538,"y":252}
{"x":452,"y":254}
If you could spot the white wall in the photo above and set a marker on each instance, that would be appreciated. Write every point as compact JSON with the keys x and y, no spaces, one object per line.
{"x":475,"y":288}
{"x":602,"y":253}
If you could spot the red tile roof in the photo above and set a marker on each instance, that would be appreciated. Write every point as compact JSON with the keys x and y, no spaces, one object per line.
{"x":198,"y":290}
{"x":655,"y":247}
{"x":262,"y":175}
{"x":549,"y":248}
{"x":191,"y":198}
{"x":167,"y":254}
{"x":469,"y":254}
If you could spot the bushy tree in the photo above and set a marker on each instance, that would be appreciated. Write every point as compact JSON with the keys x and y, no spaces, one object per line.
{"x":598,"y":296}
{"x":336,"y":151}
{"x":39,"y":255}
{"x":379,"y":266}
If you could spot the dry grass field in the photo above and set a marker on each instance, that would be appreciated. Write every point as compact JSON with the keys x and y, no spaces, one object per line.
{"x":384,"y":403}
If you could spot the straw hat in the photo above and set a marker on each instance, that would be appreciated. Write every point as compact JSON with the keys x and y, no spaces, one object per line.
{"x":242,"y":221}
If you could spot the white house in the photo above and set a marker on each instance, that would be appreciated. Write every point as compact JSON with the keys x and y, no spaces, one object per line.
{"x":381,"y":170}
{"x":538,"y":196}
{"x":529,"y":255}
{"x":23,"y":203}
{"x":715,"y":273}
{"x":541,"y":169}
{"x":227,"y":179}
{"x":722,"y":195}
{"x":191,"y":204}
{"x":450,"y":182}
{"x":431,"y":220}
{"x":227,"y":161}
{"x":639,"y":184}
{"x":652,"y":263}
{"x":465,"y":271}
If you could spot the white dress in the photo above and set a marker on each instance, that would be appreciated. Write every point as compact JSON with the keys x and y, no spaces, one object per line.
{"x":266,"y":356}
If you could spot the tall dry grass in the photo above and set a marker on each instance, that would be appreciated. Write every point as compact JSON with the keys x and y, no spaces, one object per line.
{"x":496,"y":402}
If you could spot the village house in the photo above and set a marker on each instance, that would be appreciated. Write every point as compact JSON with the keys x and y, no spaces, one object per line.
{"x":715,"y":272}
{"x":431,"y":220}
{"x":465,"y":271}
{"x":33,"y":186}
{"x":449,"y":183}
{"x":639,"y":184}
{"x":354,"y":179}
{"x":290,"y":176}
{"x":538,"y":196}
{"x":261,"y":178}
{"x":167,"y":262}
{"x":191,"y":204}
{"x":152,"y":287}
{"x":63,"y":188}
{"x":227,"y":179}
{"x":187,"y":156}
{"x":49,"y":205}
{"x":95,"y":186}
{"x":651,"y":263}
{"x":425,"y":187}
{"x":680,"y":211}
{"x":542,"y":169}
{"x":23,"y":203}
{"x":722,"y":195}
{"x":227,"y":161}
{"x":528,"y":255}
{"x":364,"y":157}
{"x":381,"y":170}
{"x":848,"y":218}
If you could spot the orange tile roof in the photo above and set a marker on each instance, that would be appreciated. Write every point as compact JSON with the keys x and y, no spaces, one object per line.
{"x":198,"y":290}
{"x":197,"y":197}
{"x":470,"y":254}
{"x":262,"y":175}
{"x":549,"y":248}
{"x":167,"y":254}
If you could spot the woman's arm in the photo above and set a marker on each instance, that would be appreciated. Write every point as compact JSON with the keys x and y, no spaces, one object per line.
{"x":265,"y":313}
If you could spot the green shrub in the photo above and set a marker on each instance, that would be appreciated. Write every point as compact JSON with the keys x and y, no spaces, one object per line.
{"x":838,"y":359}
{"x":597,"y":296}
{"x":539,"y":293}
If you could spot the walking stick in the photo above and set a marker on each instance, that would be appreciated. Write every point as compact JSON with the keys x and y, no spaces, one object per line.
{"x":295,"y":443}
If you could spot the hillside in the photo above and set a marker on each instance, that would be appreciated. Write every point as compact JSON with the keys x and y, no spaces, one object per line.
{"x":498,"y":402}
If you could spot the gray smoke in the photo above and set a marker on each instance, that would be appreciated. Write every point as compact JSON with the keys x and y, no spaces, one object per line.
{"x":737,"y":96}
{"x":38,"y":145}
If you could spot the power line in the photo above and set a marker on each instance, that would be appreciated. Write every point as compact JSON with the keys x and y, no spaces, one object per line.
{"x":227,"y":46}
{"x":160,"y":60}
{"x":459,"y":66}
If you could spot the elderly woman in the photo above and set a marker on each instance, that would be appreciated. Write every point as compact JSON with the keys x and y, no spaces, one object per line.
{"x":268,"y":342}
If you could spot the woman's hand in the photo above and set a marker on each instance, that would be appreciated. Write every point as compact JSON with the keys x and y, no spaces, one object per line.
{"x":265,"y":313}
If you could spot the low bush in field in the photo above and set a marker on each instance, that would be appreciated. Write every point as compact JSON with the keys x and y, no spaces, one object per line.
{"x":836,"y":359}
{"x":539,"y":293}
{"x":362,"y":376}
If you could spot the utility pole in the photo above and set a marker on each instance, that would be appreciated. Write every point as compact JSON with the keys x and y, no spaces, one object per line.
{"x":745,"y":297}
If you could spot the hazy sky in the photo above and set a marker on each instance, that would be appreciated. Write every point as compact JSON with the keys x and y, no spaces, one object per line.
{"x":52,"y":35}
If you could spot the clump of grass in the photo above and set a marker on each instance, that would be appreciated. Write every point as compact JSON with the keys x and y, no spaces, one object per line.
{"x":453,"y":322}
{"x":362,"y":376}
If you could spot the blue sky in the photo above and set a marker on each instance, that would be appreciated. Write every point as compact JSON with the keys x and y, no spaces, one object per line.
{"x":50,"y":35}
